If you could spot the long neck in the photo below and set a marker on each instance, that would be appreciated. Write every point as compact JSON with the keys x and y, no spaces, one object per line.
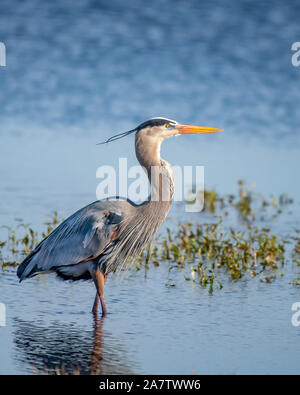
{"x":159,"y":171}
{"x":146,"y":218}
{"x":151,"y":214}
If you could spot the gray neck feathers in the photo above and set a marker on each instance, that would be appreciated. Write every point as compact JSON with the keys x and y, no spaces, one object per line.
{"x":147,"y":217}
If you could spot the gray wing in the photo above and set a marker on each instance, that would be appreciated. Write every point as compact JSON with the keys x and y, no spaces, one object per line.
{"x":84,"y":235}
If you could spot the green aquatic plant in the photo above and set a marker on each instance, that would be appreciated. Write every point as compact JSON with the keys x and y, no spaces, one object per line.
{"x":52,"y":223}
{"x":208,"y":251}
{"x":247,"y":204}
{"x":23,"y":239}
{"x":297,"y":246}
{"x":296,"y":257}
{"x":244,"y":205}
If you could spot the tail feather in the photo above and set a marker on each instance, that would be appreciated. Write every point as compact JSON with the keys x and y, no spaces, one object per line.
{"x":27,"y":268}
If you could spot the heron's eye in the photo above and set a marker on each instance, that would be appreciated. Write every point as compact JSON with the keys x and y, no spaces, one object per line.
{"x":167,"y":125}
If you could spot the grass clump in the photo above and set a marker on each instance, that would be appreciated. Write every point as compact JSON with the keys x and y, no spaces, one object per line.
{"x":247,"y":204}
{"x":206,"y":253}
{"x":23,"y":239}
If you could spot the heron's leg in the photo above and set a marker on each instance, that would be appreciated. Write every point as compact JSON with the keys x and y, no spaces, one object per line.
{"x":99,"y":281}
{"x":96,"y":301}
{"x":95,"y":305}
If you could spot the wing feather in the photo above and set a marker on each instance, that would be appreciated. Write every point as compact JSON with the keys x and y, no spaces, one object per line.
{"x":86,"y":233}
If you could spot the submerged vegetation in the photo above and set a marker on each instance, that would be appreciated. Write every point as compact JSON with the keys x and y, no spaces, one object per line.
{"x":205,"y":253}
{"x":21,"y":240}
{"x":248,"y":205}
{"x":209,"y":253}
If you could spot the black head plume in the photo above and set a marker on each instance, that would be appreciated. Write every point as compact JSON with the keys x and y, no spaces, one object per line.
{"x":117,"y":136}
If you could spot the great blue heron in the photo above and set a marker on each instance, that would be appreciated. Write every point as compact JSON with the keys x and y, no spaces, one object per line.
{"x":100,"y":237}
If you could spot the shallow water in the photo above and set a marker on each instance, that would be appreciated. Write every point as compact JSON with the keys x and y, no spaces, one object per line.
{"x":151,"y":328}
{"x":76,"y":74}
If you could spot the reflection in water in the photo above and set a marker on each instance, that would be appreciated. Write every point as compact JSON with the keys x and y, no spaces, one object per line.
{"x":96,"y":355}
{"x":69,"y":348}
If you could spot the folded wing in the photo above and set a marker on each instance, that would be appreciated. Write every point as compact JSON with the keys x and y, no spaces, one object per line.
{"x":81,"y":238}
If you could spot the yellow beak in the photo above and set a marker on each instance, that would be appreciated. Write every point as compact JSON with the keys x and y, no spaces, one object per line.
{"x":196,"y":129}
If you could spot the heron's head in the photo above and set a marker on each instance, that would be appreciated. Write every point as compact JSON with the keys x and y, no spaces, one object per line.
{"x":157,"y":129}
{"x":161,"y":128}
{"x":150,"y":134}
